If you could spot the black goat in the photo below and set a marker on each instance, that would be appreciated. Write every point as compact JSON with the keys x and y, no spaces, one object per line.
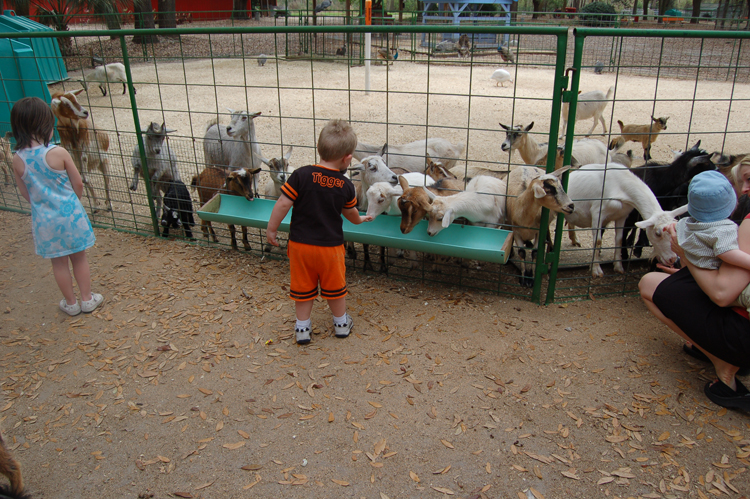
{"x":178,"y":210}
{"x":669,"y":182}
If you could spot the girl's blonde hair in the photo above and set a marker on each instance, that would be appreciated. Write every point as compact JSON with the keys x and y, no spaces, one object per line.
{"x":336,"y":140}
{"x":31,"y":119}
{"x":735,"y":172}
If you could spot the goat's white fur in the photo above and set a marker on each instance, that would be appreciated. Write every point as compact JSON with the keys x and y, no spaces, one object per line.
{"x":161,"y":163}
{"x":482,"y":203}
{"x":382,"y":197}
{"x":590,"y":105}
{"x":608,"y":193}
{"x":374,"y":170}
{"x":411,"y":156}
{"x":109,"y":73}
{"x":585,"y":151}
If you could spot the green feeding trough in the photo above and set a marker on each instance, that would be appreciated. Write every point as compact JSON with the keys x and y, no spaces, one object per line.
{"x":462,"y":241}
{"x":27,"y":65}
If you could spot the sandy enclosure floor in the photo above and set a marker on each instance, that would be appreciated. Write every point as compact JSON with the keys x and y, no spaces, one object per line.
{"x":187,"y":383}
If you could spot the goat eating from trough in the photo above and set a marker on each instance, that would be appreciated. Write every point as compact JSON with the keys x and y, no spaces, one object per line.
{"x":608,"y":193}
{"x":161,"y":163}
{"x":87,"y":146}
{"x":178,"y":210}
{"x":216,"y":180}
{"x":529,"y":190}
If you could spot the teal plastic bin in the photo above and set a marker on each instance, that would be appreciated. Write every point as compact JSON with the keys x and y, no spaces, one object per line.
{"x":18,"y":78}
{"x":46,"y":51}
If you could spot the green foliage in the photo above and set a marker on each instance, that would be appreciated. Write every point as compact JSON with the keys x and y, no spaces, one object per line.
{"x":598,"y":14}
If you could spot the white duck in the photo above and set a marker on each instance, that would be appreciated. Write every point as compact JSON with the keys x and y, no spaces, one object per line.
{"x":501,"y":76}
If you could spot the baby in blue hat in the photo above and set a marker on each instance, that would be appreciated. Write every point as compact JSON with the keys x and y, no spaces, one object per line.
{"x":707,"y":236}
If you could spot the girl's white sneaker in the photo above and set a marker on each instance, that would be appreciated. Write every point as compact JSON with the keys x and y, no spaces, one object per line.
{"x":74,"y":309}
{"x":90,"y":305}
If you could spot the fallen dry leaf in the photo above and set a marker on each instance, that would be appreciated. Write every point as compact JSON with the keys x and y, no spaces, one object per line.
{"x":234,"y":446}
{"x":445,"y":491}
{"x":447,"y":444}
{"x":340,"y":482}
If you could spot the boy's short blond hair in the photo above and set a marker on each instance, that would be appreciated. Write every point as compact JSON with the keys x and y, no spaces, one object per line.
{"x":336,"y":140}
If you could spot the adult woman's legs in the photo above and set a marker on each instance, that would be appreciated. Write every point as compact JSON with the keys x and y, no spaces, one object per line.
{"x":647,"y":286}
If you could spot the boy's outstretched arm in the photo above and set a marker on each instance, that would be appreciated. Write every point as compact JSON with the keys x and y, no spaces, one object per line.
{"x":280,"y":209}
{"x":354,"y":217}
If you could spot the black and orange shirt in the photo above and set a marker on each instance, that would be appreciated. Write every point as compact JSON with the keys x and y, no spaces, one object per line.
{"x":319,"y":195}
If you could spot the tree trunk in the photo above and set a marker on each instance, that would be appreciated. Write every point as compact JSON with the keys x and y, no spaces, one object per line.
{"x":635,"y":8}
{"x":513,"y":12}
{"x":144,"y":19}
{"x":239,"y":9}
{"x":167,"y":15}
{"x":697,"y":11}
{"x":724,"y":13}
{"x":645,"y":9}
{"x":536,"y":8}
{"x":20,"y":6}
{"x":109,"y":14}
{"x":747,"y":25}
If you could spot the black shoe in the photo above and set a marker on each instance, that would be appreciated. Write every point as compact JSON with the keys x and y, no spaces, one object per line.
{"x":697,"y":354}
{"x":720,"y":394}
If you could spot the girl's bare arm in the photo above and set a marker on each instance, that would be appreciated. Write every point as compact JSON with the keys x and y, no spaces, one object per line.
{"x":18,"y":169}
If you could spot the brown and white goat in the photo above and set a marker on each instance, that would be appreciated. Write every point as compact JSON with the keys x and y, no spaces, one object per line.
{"x":87,"y":146}
{"x":529,"y":190}
{"x":585,"y":151}
{"x":10,"y":468}
{"x":6,"y":158}
{"x":435,"y":169}
{"x":645,"y":134}
{"x":215,"y":180}
{"x":415,"y":202}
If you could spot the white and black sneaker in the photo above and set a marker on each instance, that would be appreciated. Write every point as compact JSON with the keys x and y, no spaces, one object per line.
{"x":303,"y":335}
{"x":343,"y":330}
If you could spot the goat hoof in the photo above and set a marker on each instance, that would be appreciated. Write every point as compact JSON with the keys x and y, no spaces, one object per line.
{"x":527,"y":281}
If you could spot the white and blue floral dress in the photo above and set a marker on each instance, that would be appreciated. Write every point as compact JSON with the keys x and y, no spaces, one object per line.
{"x":58,"y":221}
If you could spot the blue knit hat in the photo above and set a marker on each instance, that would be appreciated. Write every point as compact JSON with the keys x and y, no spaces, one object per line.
{"x":710,"y":197}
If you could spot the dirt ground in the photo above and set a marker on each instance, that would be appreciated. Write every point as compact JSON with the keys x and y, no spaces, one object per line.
{"x":187,"y":383}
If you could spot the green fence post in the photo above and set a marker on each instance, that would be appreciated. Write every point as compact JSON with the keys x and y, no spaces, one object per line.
{"x":139,"y":136}
{"x":559,"y":86}
{"x":571,"y":97}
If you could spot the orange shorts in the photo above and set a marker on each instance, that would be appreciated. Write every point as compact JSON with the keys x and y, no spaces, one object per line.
{"x":310,"y":265}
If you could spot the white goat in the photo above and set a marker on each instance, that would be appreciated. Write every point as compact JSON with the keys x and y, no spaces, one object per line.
{"x":529,"y":190}
{"x":590,"y":105}
{"x":109,"y":73}
{"x":585,"y":151}
{"x":233,"y":146}
{"x":382,"y":197}
{"x":279,"y":170}
{"x":411,"y":156}
{"x":161,"y":163}
{"x":482,"y":203}
{"x":607,"y":193}
{"x":373,"y":170}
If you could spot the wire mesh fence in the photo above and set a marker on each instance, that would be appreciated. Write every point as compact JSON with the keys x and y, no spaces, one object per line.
{"x":298,"y":77}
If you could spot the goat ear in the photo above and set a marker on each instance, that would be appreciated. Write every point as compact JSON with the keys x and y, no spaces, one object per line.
{"x":529,"y":127}
{"x":678,"y":211}
{"x":539,"y":191}
{"x":255,"y":115}
{"x":356,"y":168}
{"x":403,"y":183}
{"x":265,"y":161}
{"x":506,"y":127}
{"x":77,"y":92}
{"x":168,"y":130}
{"x":448,"y":218}
{"x":383,"y":151}
{"x":559,"y":172}
{"x":430,"y":194}
{"x":255,"y":171}
{"x":288,"y":154}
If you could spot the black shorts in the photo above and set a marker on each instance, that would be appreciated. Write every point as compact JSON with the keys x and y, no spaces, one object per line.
{"x":719,"y":330}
